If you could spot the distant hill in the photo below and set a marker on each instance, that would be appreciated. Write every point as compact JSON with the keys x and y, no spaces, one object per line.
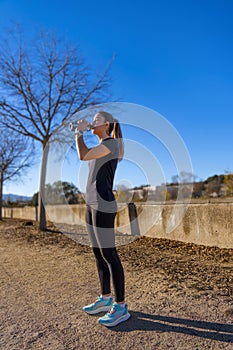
{"x":15,"y":197}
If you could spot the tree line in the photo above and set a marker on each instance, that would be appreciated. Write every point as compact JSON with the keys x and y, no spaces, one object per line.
{"x":63,"y":192}
{"x":214,"y":186}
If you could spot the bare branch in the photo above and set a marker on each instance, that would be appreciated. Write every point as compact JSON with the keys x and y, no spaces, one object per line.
{"x":15,"y":155}
{"x":10,"y":120}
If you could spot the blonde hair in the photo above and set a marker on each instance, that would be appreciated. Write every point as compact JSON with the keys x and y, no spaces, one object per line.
{"x":115,"y":130}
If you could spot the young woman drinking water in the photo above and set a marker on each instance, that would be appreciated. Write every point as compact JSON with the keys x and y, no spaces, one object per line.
{"x":101,"y":209}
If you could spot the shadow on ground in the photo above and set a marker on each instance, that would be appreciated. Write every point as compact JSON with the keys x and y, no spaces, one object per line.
{"x":147,"y":322}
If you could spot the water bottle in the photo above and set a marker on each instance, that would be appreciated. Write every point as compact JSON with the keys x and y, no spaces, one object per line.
{"x":73,"y":126}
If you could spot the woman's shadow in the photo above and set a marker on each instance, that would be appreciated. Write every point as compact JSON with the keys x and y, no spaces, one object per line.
{"x":203,"y":329}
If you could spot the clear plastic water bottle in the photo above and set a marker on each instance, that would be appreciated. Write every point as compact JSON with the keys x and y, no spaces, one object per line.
{"x":73,"y":126}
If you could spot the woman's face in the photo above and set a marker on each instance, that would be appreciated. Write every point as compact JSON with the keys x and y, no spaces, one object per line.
{"x":99,"y":123}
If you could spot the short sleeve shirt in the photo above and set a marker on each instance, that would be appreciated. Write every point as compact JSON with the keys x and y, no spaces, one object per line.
{"x":101,"y":175}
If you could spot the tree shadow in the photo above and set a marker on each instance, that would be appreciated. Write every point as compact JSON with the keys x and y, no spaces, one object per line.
{"x":203,"y":329}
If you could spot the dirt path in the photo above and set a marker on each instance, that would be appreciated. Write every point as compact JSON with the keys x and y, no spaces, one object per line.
{"x":180,"y":295}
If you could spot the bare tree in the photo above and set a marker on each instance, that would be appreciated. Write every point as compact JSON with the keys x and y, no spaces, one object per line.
{"x":15,"y":157}
{"x":186,"y":177}
{"x":41,"y":85}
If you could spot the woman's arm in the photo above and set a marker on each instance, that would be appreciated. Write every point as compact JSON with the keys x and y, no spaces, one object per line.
{"x":86,"y":153}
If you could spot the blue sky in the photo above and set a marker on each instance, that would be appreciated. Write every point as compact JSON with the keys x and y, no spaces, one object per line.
{"x":174,"y":57}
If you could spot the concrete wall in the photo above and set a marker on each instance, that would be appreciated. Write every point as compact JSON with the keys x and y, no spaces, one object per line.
{"x":28,"y":213}
{"x":209,"y":224}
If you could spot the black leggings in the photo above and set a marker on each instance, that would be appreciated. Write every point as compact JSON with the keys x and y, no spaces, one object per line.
{"x":100,"y":227}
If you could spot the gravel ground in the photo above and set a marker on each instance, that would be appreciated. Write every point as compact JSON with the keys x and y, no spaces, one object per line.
{"x":180,"y":296}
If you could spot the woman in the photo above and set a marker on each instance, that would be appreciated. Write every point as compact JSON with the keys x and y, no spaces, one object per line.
{"x":100,"y":214}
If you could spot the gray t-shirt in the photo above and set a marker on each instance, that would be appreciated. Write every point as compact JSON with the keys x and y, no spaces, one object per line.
{"x":101,"y":176}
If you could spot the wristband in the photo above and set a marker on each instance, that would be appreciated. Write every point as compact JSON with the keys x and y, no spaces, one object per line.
{"x":78,"y":132}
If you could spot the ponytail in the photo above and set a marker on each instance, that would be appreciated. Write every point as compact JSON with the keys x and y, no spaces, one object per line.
{"x":117,"y":134}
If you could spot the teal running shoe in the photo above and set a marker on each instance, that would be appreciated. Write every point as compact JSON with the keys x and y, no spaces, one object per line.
{"x":115,"y":315}
{"x":100,"y":305}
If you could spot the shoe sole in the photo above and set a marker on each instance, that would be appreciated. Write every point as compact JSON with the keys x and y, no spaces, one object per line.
{"x":97,"y":311}
{"x":119,"y":320}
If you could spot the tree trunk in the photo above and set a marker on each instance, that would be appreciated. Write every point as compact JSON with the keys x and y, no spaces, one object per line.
{"x":42,"y":217}
{"x":1,"y":189}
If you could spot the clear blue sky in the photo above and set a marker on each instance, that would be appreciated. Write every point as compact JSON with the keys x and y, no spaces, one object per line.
{"x":172,"y":56}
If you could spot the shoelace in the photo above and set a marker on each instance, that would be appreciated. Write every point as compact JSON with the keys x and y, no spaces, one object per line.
{"x":112,"y":309}
{"x":97,"y":300}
